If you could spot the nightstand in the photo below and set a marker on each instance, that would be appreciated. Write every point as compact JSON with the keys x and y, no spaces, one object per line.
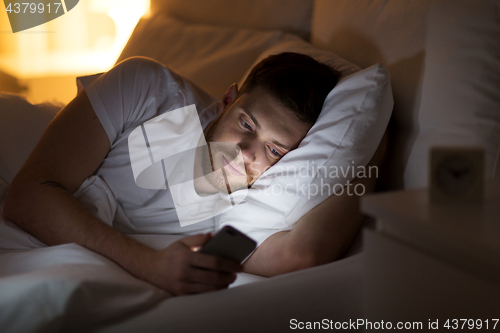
{"x":432,"y":262}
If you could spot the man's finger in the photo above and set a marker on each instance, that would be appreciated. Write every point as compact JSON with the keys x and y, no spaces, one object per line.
{"x":214,"y":263}
{"x":217,"y":279}
{"x":196,"y":240}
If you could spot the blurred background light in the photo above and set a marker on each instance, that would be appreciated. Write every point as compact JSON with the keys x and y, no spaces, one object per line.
{"x":87,"y":39}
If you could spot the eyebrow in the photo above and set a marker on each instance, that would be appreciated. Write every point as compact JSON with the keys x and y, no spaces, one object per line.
{"x":288,"y":148}
{"x":248,"y":113}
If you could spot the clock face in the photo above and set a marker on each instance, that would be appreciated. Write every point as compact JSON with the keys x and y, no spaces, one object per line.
{"x":456,"y":174}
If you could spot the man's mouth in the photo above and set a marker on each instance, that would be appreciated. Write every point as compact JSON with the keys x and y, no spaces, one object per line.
{"x":231,"y":167}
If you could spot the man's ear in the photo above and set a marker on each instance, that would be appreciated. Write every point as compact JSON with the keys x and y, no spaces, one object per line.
{"x":228,"y":97}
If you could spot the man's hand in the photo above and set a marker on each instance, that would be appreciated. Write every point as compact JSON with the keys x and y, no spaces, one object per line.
{"x":180,"y":270}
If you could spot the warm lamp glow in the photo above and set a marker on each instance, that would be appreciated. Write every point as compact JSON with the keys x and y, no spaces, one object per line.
{"x":87,"y":39}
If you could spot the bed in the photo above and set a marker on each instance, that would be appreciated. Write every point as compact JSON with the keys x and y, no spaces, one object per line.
{"x":423,"y":44}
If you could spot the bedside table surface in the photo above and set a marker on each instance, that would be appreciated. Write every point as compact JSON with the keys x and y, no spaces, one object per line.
{"x":462,"y":232}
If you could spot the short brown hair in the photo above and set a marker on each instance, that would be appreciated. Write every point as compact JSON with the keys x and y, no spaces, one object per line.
{"x":298,"y":81}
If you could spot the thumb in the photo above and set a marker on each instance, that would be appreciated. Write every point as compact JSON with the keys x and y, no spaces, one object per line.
{"x":196,"y":241}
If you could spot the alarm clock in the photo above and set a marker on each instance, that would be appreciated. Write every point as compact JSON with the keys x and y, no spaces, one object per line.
{"x":456,"y":174}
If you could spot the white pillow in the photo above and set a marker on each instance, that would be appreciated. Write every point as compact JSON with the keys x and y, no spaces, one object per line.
{"x":212,"y":57}
{"x":21,"y":126}
{"x":343,"y":139}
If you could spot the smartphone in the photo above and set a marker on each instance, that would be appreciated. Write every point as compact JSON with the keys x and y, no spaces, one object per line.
{"x":230,"y":243}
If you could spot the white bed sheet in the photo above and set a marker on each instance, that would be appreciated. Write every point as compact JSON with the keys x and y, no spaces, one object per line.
{"x":69,"y":288}
{"x":329,"y":292}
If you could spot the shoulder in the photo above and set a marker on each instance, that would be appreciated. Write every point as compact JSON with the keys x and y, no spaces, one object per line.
{"x":172,"y":90}
{"x":145,"y":69}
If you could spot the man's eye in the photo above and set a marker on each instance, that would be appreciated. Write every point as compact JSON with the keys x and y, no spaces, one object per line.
{"x":275,"y":152}
{"x":246,"y":125}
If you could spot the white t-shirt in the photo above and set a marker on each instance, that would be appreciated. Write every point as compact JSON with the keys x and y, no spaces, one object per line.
{"x":131,"y":93}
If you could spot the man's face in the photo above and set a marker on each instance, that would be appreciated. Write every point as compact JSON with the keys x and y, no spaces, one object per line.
{"x":260,"y":126}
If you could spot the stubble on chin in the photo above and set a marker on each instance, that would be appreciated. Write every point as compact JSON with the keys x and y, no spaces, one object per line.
{"x":222,"y":181}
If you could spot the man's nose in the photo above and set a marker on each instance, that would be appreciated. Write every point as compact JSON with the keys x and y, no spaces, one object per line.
{"x":248,"y":151}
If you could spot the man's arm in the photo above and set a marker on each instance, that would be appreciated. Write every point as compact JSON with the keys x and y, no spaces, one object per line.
{"x":40,"y":200}
{"x":320,"y":236}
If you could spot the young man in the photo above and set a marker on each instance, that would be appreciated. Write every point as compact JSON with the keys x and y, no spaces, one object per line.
{"x":266,"y":118}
